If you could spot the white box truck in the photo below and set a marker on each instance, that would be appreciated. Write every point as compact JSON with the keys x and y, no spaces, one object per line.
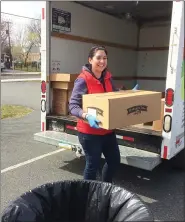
{"x":145,"y":42}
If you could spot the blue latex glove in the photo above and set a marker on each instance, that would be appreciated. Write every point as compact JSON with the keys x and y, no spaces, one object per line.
{"x":93,"y":122}
{"x":136,"y":87}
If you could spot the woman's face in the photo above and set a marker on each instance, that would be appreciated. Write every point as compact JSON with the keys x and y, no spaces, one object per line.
{"x":99,"y":61}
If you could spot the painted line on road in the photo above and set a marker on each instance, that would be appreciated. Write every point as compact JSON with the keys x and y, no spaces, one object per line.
{"x":21,"y":80}
{"x":31,"y":161}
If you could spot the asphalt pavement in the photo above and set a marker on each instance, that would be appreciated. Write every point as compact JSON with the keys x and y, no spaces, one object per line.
{"x":14,"y":72}
{"x":162,"y":189}
{"x":18,"y":74}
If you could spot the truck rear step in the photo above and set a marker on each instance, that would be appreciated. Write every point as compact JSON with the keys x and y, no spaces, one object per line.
{"x":138,"y":136}
{"x":130,"y":156}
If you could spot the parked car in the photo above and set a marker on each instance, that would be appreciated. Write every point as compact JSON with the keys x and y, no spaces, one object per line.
{"x":2,"y":65}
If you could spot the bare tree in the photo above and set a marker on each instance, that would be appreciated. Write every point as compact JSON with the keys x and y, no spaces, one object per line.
{"x":35,"y":27}
{"x":6,"y":31}
{"x":20,"y":37}
{"x":33,"y":36}
{"x":18,"y":45}
{"x":4,"y":35}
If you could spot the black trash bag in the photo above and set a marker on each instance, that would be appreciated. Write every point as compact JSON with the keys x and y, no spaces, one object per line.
{"x":77,"y":201}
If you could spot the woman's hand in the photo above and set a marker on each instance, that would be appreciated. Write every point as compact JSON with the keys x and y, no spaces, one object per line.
{"x":93,"y":122}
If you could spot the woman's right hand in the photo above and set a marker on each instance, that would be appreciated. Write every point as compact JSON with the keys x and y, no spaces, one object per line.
{"x":93,"y":122}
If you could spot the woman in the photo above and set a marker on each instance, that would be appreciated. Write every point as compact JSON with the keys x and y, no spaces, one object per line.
{"x":95,"y":78}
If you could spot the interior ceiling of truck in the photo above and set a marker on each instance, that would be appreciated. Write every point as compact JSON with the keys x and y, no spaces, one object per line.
{"x":140,"y":11}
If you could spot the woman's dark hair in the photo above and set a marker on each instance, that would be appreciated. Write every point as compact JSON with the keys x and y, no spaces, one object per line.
{"x":94,"y":49}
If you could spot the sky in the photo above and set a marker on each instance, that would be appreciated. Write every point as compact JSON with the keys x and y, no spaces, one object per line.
{"x":30,"y":9}
{"x":25,"y":8}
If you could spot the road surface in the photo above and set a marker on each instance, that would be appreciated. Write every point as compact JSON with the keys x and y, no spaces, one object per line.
{"x":162,"y":189}
{"x":11,"y":71}
{"x":16,"y":74}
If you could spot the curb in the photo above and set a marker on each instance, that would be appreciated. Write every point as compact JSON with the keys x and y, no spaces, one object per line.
{"x":20,"y":80}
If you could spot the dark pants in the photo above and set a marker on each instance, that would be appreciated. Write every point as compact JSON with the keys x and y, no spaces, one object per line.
{"x":94,"y":146}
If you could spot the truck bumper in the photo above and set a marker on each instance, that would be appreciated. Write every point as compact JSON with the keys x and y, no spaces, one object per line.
{"x":130,"y":156}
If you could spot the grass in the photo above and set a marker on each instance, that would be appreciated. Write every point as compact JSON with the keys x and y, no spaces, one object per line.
{"x":12,"y":111}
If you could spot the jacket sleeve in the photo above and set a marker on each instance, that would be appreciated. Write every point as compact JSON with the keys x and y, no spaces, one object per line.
{"x":75,"y":103}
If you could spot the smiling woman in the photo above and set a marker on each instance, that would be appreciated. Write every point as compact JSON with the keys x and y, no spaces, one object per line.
{"x":95,"y":78}
{"x":12,"y":111}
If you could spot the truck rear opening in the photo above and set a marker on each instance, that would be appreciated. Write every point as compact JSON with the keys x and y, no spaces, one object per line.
{"x":145,"y":45}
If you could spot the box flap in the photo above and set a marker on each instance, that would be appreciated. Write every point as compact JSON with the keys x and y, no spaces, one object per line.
{"x":63,"y":77}
{"x":121,"y":94}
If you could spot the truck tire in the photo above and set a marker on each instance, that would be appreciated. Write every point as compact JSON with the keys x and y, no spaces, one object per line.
{"x":178,"y":162}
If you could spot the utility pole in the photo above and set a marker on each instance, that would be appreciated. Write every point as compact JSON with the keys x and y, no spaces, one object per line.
{"x":10,"y":49}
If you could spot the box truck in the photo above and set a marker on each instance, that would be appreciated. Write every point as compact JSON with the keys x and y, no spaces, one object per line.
{"x":145,"y":43}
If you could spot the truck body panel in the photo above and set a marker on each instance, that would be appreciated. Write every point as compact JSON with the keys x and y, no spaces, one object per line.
{"x":45,"y":63}
{"x":173,"y":138}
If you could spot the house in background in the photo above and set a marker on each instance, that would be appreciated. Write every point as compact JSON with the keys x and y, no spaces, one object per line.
{"x":34,"y":55}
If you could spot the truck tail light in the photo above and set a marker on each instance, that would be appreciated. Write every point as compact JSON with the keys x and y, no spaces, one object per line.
{"x":167,"y":123}
{"x":43,"y":87}
{"x":169,"y":98}
{"x":43,"y":13}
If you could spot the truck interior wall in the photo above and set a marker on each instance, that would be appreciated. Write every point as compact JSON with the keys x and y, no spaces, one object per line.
{"x":152,"y":62}
{"x":86,"y":22}
{"x":128,"y":66}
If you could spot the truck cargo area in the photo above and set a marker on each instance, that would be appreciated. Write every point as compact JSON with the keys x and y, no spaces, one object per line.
{"x":136,"y":35}
{"x":137,"y":46}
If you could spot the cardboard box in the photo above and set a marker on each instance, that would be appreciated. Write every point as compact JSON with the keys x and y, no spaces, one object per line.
{"x":69,"y":94}
{"x":62,"y":80}
{"x":158,"y":124}
{"x":63,"y":77}
{"x":62,"y":85}
{"x":123,"y":108}
{"x":151,"y":123}
{"x":60,"y":108}
{"x":60,"y":101}
{"x":60,"y":95}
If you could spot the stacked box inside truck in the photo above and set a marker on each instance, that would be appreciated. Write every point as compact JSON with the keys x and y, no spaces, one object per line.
{"x":62,"y":85}
{"x":60,"y":101}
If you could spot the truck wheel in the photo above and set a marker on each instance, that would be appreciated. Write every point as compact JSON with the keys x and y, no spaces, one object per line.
{"x":178,"y":162}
